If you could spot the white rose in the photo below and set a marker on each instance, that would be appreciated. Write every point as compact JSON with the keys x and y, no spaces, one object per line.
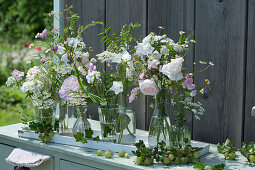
{"x":153,"y":64}
{"x":173,"y":70}
{"x":117,"y":87}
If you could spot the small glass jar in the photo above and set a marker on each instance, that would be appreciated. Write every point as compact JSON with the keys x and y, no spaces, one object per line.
{"x":46,"y":116}
{"x":108,"y":123}
{"x":67,"y":118}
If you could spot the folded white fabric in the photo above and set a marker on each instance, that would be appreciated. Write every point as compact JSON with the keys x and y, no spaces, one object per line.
{"x":23,"y":158}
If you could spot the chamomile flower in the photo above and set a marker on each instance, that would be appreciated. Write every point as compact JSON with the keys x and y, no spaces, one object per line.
{"x":185,"y":45}
{"x":202,"y":91}
{"x":181,"y":32}
{"x":28,"y":62}
{"x":202,"y":62}
{"x":193,"y":41}
{"x":161,"y":27}
{"x":207,"y":81}
{"x":211,"y":63}
{"x":104,"y":102}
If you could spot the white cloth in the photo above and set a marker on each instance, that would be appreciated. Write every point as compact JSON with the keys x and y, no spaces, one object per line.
{"x":23,"y":158}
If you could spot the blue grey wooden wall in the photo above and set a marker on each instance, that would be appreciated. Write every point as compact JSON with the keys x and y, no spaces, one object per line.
{"x":225,"y":34}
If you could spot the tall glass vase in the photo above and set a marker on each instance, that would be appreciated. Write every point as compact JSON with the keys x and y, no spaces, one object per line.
{"x":180,"y":131}
{"x":160,"y":123}
{"x":108,"y":123}
{"x":126,"y":122}
{"x":82,"y":122}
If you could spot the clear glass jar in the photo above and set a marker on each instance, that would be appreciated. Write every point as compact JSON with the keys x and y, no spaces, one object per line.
{"x":82,"y":122}
{"x":46,"y":116}
{"x":108,"y":123}
{"x":67,"y":118}
{"x":159,"y":124}
{"x":180,"y":134}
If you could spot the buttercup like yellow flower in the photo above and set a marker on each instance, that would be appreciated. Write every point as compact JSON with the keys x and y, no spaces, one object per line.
{"x":72,"y":56}
{"x":150,"y":59}
{"x":137,"y":62}
{"x":90,"y":48}
{"x":149,"y":54}
{"x":60,"y":43}
{"x":48,"y":61}
{"x":187,"y":39}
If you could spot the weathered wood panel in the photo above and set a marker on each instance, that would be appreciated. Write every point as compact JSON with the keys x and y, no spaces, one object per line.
{"x":220,"y":30}
{"x":91,"y":11}
{"x":249,"y":124}
{"x":119,"y":13}
{"x":174,"y":16}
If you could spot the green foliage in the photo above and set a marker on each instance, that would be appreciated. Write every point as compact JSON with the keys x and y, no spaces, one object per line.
{"x":165,"y":154}
{"x":227,"y":149}
{"x":22,"y":19}
{"x":9,"y":98}
{"x":248,"y":150}
{"x":200,"y":166}
{"x":88,"y":136}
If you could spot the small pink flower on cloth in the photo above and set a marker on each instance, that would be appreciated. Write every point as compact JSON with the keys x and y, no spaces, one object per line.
{"x":23,"y":158}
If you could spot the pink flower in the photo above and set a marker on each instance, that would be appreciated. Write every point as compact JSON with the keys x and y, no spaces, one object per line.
{"x":188,"y":83}
{"x":153,"y":64}
{"x":68,"y":88}
{"x":133,"y":95}
{"x":148,"y":87}
{"x":43,"y":34}
{"x":55,"y":30}
{"x":17,"y":74}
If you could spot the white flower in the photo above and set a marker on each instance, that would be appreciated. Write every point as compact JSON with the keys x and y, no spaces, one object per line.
{"x":211,"y":63}
{"x":181,"y":32}
{"x":93,"y":60}
{"x":11,"y":81}
{"x":61,"y":50}
{"x":91,"y":76}
{"x":117,"y":87}
{"x":153,"y":64}
{"x":64,"y":58}
{"x":173,"y":70}
{"x":107,"y":56}
{"x":155,"y":55}
{"x":144,"y":49}
{"x":164,"y":50}
{"x":126,"y":57}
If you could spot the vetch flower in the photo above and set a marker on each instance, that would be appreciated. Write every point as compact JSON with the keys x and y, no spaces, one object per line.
{"x":117,"y":87}
{"x":148,"y":87}
{"x":188,"y":83}
{"x":173,"y":70}
{"x":43,"y":34}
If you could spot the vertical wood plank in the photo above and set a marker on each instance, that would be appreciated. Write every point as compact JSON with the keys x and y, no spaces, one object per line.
{"x":249,"y":124}
{"x":91,"y":10}
{"x":174,"y":16}
{"x":220,"y":35}
{"x":119,"y":13}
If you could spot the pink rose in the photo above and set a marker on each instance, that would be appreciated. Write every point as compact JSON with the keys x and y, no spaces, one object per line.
{"x":148,"y":87}
{"x":153,"y":64}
